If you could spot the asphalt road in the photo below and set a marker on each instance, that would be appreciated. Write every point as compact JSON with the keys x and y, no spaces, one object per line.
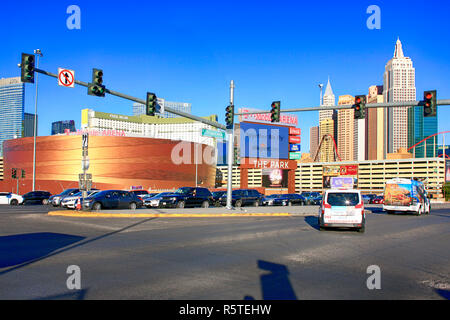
{"x":222,"y":258}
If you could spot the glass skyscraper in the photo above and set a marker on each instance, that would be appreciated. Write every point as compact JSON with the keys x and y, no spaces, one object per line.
{"x":139,"y":109}
{"x":419,"y":128}
{"x":12,"y":105}
{"x":59,"y":127}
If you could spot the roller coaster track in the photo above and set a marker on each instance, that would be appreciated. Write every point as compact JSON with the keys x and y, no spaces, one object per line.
{"x":336,"y":153}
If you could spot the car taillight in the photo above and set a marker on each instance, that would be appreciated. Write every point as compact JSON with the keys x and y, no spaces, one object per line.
{"x":360,"y":206}
{"x":325,"y":206}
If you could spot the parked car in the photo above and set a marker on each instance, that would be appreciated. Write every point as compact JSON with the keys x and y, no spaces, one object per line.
{"x":10,"y":198}
{"x":342,"y":208}
{"x":378,"y":200}
{"x":41,"y":197}
{"x":153,"y":201}
{"x":289,"y":200}
{"x":56,"y":199}
{"x":368,"y":198}
{"x":112,"y":199}
{"x":269,"y":200}
{"x":243,"y":197}
{"x":140,"y":193}
{"x":310,"y":195}
{"x":314,"y":200}
{"x":216,"y":197}
{"x":70,"y":202}
{"x":187,"y":197}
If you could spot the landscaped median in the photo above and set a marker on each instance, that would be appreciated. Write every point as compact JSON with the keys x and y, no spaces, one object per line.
{"x":105,"y":214}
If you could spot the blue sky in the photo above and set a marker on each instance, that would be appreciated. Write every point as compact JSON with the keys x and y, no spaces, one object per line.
{"x":188,"y":51}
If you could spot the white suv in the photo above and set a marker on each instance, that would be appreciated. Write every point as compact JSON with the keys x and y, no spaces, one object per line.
{"x":342,"y":208}
{"x":10,"y":198}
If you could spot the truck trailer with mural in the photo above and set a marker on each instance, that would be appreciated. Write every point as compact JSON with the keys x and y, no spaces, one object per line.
{"x":405,"y":195}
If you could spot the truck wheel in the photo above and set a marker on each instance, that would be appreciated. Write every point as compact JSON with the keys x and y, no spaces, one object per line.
{"x":14,"y":202}
{"x":362,"y":229}
{"x":238,"y":204}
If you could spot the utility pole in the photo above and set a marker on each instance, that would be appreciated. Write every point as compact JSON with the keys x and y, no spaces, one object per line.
{"x":230,"y":153}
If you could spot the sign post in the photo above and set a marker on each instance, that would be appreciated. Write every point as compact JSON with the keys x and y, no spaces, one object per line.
{"x":85,"y":179}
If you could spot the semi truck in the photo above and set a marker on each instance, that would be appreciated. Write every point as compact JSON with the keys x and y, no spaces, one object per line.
{"x":405,"y":195}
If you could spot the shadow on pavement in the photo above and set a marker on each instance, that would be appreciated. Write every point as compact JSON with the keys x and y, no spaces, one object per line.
{"x":275,"y":285}
{"x":312,"y":221}
{"x":443,"y":293}
{"x":21,"y":248}
{"x":53,"y":244}
{"x":376,"y":210}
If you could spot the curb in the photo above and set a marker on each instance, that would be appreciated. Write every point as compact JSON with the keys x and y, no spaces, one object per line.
{"x":75,"y":214}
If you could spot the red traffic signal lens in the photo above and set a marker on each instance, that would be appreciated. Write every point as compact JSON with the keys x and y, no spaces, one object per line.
{"x":358,"y":100}
{"x":428,"y":95}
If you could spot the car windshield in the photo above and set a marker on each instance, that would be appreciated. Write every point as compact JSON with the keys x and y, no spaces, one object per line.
{"x":162,"y":194}
{"x":66,"y":192}
{"x":218,"y":193}
{"x":184,"y":190}
{"x":343,"y":199}
{"x":273,"y":196}
{"x":100,"y":193}
{"x":78,"y":194}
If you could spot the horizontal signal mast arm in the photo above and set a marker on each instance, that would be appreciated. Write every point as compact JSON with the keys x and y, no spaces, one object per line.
{"x":124,"y":96}
{"x":401,"y":104}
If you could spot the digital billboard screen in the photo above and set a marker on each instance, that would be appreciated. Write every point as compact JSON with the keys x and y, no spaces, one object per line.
{"x":275,"y":178}
{"x":264,"y":141}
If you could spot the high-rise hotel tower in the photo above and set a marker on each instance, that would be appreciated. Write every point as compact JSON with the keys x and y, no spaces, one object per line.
{"x":399,"y":85}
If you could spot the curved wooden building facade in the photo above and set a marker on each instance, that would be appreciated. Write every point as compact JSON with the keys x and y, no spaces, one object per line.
{"x":115,"y":163}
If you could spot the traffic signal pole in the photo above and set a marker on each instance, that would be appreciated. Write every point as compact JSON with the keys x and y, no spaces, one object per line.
{"x":230,"y":154}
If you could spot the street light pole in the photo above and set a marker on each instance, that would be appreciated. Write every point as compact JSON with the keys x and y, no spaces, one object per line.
{"x":39,"y":54}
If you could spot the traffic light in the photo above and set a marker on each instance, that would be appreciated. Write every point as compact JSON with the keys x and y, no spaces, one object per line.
{"x":151,"y":104}
{"x":229,"y":116}
{"x":360,"y":107}
{"x":27,"y":68}
{"x":23,"y":174}
{"x":429,"y":105}
{"x":96,"y":88}
{"x":14,"y":173}
{"x":275,"y":112}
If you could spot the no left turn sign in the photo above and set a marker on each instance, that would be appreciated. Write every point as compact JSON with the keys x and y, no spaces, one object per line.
{"x":66,"y":78}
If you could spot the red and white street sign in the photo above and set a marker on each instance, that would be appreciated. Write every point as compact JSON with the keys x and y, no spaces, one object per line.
{"x":66,"y":78}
